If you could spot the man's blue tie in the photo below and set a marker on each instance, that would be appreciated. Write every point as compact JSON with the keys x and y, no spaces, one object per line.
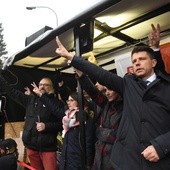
{"x":147,"y":83}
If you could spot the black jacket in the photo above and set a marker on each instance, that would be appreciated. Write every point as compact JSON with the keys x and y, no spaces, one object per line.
{"x":47,"y":109}
{"x":73,"y":150}
{"x":145,"y":118}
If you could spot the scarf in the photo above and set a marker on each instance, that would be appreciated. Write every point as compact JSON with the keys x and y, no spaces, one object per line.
{"x":69,"y":120}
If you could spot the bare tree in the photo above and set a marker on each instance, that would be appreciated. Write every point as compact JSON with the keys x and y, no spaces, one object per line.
{"x":2,"y":44}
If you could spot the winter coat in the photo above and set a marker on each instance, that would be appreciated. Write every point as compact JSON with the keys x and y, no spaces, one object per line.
{"x":73,"y":150}
{"x":145,"y":118}
{"x":47,"y":109}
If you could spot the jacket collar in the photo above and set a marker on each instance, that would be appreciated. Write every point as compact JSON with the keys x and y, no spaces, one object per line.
{"x":159,"y":75}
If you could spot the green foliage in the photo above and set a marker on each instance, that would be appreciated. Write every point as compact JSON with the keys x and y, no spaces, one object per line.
{"x":2,"y":44}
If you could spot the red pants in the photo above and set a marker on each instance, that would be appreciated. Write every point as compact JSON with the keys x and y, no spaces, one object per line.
{"x":42,"y":160}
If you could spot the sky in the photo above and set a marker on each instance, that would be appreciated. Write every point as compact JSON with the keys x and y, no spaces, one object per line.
{"x":19,"y":23}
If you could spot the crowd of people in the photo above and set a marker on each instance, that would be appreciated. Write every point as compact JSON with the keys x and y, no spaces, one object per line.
{"x":119,"y":123}
{"x":142,"y":138}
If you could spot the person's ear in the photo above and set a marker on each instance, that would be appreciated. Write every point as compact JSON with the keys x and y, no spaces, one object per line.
{"x":154,"y":62}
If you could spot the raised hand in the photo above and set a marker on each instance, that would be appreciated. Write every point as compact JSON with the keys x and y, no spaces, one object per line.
{"x":36,"y":90}
{"x":27,"y":91}
{"x":61,"y":50}
{"x":154,"y":36}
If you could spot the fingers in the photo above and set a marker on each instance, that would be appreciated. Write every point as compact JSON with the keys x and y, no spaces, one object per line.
{"x":58,"y":42}
{"x":27,"y":91}
{"x":153,"y":27}
{"x":146,"y":154}
{"x":150,"y":154}
{"x":34,"y":85}
{"x":36,"y":90}
{"x":62,"y":51}
{"x":150,"y":36}
{"x":26,"y":88}
{"x":40,"y":126}
{"x":60,"y":46}
{"x":158,"y":28}
{"x":151,"y":157}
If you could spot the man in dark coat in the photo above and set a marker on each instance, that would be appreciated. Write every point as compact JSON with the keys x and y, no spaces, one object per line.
{"x":144,"y":131}
{"x":43,"y":121}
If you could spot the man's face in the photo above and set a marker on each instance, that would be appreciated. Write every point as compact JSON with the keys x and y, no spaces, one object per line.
{"x":45,"y":86}
{"x":143,"y":65}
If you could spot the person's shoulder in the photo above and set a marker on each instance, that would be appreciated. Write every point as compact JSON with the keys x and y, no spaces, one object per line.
{"x":130,"y":76}
{"x":167,"y":76}
{"x":164,"y":76}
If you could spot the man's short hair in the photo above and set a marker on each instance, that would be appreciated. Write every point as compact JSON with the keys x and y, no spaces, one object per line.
{"x":143,"y":48}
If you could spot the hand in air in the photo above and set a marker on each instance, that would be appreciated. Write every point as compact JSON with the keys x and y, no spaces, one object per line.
{"x":61,"y":50}
{"x":36,"y":89}
{"x":27,"y":91}
{"x":154,"y":36}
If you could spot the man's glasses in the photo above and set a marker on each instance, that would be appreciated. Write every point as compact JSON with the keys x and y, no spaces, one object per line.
{"x":41,"y":84}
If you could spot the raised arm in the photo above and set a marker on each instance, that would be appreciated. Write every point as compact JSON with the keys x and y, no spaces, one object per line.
{"x":104,"y":77}
{"x":97,"y":96}
{"x":154,"y":42}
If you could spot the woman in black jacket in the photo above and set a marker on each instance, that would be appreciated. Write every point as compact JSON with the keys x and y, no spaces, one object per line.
{"x":74,"y":150}
{"x":106,"y":120}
